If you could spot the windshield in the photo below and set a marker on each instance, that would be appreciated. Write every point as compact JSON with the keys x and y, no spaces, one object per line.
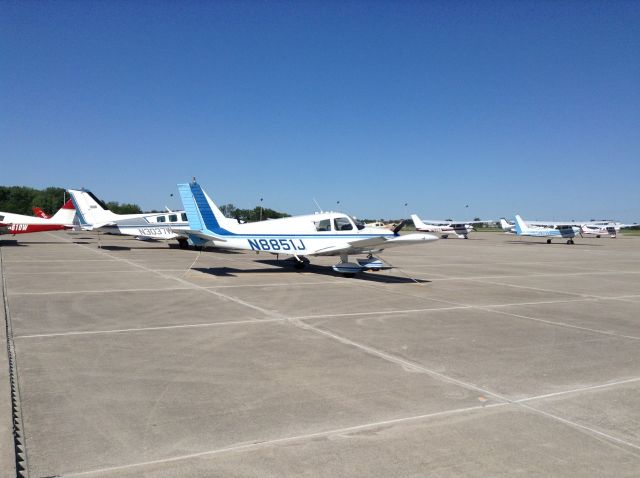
{"x":359,"y":224}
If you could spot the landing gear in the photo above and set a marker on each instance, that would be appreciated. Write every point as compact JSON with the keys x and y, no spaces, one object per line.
{"x":183,"y":243}
{"x":570,"y":241}
{"x":548,"y":241}
{"x":300,"y":262}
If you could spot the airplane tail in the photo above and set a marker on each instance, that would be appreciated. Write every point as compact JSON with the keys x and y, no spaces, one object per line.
{"x":90,"y":209}
{"x":505,"y":225}
{"x":38,"y":212}
{"x":520,"y":226}
{"x":65,"y":214}
{"x":202,"y":212}
{"x":418,"y":222}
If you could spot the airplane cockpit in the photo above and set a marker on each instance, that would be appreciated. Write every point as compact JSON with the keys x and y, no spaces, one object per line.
{"x":339,"y":223}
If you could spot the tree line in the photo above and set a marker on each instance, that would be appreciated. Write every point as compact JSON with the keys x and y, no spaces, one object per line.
{"x":20,"y":200}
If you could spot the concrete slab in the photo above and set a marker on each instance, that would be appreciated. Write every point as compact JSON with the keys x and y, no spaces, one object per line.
{"x":611,"y":410}
{"x":612,"y":316}
{"x":152,"y":395}
{"x":341,"y":298}
{"x":598,"y":285}
{"x":514,"y":357}
{"x":122,"y":310}
{"x":497,"y":442}
{"x":481,"y":292}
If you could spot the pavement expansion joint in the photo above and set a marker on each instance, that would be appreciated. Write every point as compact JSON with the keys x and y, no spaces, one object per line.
{"x":16,"y":412}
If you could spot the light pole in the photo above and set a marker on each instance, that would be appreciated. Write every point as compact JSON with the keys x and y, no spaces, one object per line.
{"x":261,"y":208}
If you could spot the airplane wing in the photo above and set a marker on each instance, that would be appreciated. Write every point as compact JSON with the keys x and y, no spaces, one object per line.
{"x":434,"y":222}
{"x":99,"y":225}
{"x":375,"y":243}
{"x":557,"y":223}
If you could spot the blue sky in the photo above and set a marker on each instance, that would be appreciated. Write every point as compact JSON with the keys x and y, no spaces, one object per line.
{"x":507,"y":107}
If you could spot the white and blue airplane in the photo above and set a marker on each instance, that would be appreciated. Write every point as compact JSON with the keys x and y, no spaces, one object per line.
{"x":564,"y":231}
{"x":320,"y":234}
{"x":94,"y":215}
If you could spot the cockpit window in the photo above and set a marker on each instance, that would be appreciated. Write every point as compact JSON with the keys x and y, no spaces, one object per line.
{"x":342,"y":224}
{"x":324,"y":225}
{"x":359,"y":224}
{"x":161,"y":219}
{"x":1,"y":218}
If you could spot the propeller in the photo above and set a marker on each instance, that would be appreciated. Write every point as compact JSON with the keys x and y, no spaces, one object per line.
{"x":399,"y":227}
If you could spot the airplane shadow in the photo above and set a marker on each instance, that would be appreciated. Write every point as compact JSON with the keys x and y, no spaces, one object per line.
{"x":115,"y":248}
{"x":288,"y":266}
{"x":14,"y":242}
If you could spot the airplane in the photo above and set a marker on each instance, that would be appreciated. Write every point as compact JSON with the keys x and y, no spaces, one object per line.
{"x":564,"y":231}
{"x":94,"y":215}
{"x":20,"y":224}
{"x":594,"y":228}
{"x":598,"y":230}
{"x":320,"y":234}
{"x":461,"y":229}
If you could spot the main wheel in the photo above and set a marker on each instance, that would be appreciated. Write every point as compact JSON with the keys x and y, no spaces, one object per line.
{"x":548,"y":241}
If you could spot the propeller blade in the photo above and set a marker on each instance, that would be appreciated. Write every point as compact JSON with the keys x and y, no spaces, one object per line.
{"x":399,"y":227}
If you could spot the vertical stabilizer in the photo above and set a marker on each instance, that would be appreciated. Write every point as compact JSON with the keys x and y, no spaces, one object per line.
{"x":418,"y":222}
{"x":65,"y":214}
{"x":521,"y":226}
{"x":190,"y":207}
{"x":505,"y":225}
{"x":90,"y":209}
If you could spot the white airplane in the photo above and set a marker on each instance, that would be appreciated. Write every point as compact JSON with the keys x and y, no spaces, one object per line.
{"x":564,"y":231}
{"x":460,"y":229}
{"x":598,"y":230}
{"x":320,"y":234}
{"x":93,"y":214}
{"x":20,"y":224}
{"x":593,"y":228}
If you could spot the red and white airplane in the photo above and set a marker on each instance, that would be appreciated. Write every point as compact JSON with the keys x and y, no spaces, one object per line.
{"x":19,"y":224}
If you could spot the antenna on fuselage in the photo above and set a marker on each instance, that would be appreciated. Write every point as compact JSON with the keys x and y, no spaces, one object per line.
{"x":317,"y":205}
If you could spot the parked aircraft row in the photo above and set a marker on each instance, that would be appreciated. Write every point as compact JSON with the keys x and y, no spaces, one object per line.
{"x":326,"y":233}
{"x":591,"y":228}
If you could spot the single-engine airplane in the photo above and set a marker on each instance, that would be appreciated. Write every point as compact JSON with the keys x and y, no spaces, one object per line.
{"x":591,"y":228}
{"x":20,"y":224}
{"x":565,"y":231}
{"x":320,"y":234}
{"x":460,"y":229}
